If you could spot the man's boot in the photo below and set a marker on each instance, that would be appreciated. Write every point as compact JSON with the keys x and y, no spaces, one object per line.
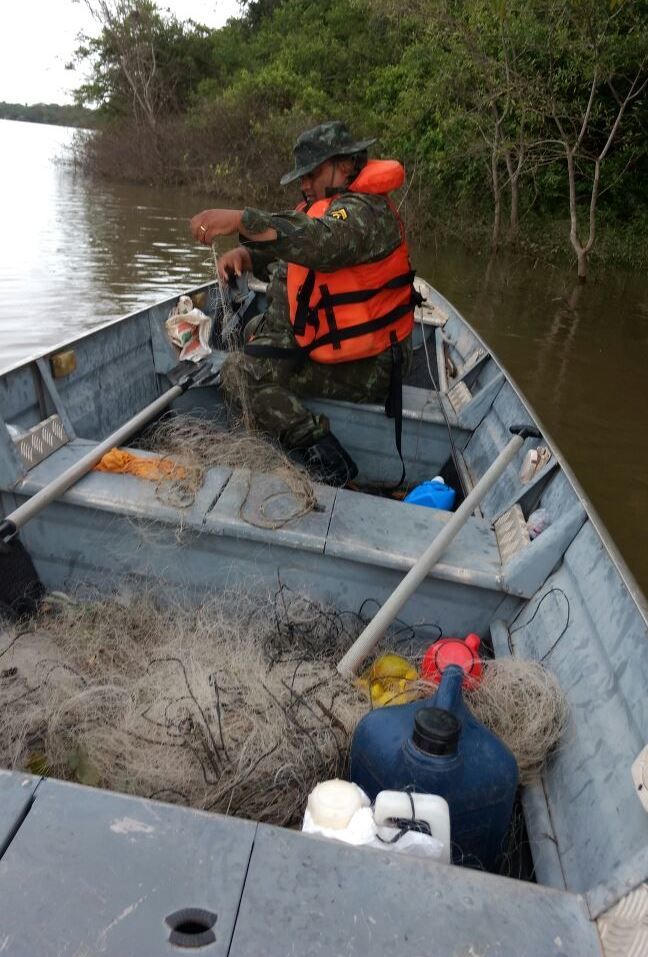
{"x":327,"y":461}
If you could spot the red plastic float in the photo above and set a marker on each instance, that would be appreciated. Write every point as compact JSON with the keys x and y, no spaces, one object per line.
{"x":454,"y":651}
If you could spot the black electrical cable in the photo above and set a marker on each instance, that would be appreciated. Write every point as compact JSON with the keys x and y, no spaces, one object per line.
{"x":536,"y":610}
{"x":453,"y":448}
{"x":405,"y":824}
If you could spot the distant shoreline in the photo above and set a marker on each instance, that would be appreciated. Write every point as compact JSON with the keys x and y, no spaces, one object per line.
{"x":52,"y":114}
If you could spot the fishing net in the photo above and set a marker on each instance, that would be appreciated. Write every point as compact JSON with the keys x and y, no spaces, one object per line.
{"x":235,"y":707}
{"x":230,"y":334}
{"x":193,"y":444}
{"x":523,"y":704}
{"x":196,"y":444}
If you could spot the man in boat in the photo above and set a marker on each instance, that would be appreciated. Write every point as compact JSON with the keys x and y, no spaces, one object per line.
{"x":340,"y":296}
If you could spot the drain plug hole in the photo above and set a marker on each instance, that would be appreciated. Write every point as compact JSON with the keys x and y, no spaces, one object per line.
{"x":191,"y":927}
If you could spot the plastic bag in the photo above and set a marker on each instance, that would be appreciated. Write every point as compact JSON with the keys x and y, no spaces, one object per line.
{"x":360,"y":830}
{"x":389,"y":681}
{"x":537,"y":522}
{"x":189,"y":329}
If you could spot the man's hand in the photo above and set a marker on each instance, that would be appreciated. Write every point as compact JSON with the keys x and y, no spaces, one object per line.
{"x":234,"y":262}
{"x":210,"y":223}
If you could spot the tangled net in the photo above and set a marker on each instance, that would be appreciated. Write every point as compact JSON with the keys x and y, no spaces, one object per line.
{"x":197,"y":444}
{"x":235,"y":709}
{"x":235,"y":706}
{"x":523,"y":704}
{"x":194,"y":444}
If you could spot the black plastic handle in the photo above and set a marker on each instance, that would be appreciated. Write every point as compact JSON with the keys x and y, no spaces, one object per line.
{"x":8,"y":530}
{"x":204,"y":375}
{"x":525,"y":431}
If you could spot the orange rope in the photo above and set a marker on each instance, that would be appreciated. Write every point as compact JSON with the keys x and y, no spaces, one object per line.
{"x":154,"y":468}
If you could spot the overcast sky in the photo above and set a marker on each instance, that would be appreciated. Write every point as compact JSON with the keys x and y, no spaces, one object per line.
{"x":38,"y":38}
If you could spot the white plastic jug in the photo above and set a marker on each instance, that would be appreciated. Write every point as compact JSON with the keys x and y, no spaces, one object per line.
{"x":393,"y":806}
{"x":342,"y":811}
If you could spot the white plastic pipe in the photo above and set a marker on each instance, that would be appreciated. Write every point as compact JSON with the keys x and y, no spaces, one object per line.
{"x":377,"y":627}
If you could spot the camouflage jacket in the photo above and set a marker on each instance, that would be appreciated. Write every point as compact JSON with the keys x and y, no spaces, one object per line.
{"x":365,"y":229}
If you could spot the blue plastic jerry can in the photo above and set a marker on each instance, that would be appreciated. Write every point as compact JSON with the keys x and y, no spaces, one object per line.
{"x":433,"y":494}
{"x":436,"y":746}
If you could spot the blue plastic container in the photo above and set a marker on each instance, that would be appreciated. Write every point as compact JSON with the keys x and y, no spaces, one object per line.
{"x":436,"y":746}
{"x":434,"y":494}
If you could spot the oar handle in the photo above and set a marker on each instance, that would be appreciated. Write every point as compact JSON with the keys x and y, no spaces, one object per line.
{"x":377,"y":627}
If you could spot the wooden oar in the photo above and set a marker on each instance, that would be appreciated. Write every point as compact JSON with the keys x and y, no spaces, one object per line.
{"x":20,"y":587}
{"x":378,"y":625}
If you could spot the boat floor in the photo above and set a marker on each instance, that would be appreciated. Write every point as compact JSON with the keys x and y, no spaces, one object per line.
{"x":123,"y":865}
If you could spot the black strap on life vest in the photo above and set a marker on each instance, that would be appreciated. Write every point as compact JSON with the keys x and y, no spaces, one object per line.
{"x":303,"y":310}
{"x":327,"y":305}
{"x":328,"y":338}
{"x":363,"y":295}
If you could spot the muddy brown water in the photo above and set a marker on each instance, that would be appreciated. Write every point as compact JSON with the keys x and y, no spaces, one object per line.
{"x":75,"y":253}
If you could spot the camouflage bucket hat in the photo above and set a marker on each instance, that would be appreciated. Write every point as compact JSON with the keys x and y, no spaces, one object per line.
{"x":321,"y":143}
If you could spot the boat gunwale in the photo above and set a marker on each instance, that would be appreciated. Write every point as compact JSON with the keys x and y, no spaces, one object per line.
{"x":612,"y":548}
{"x":72,"y":340}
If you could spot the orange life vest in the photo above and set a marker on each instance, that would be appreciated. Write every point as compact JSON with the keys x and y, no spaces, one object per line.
{"x":358,"y":311}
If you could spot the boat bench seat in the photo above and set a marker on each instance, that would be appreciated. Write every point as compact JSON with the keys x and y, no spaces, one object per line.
{"x":366,"y":432}
{"x":258,"y":508}
{"x":266,"y":887}
{"x":257,"y":512}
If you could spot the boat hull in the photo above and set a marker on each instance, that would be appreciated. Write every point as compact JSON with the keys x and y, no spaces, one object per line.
{"x":565,"y":598}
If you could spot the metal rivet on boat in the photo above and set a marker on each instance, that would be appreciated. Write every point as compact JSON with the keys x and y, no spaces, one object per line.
{"x":63,"y":363}
{"x":191,"y":927}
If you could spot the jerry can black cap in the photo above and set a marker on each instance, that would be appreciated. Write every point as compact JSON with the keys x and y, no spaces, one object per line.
{"x":436,"y":731}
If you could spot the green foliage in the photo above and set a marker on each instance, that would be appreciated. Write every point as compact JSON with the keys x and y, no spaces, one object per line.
{"x":143,"y":62}
{"x":454,"y":88}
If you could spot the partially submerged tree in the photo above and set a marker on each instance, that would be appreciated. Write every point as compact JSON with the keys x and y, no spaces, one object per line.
{"x":597,"y":58}
{"x":477,"y":48}
{"x":543,"y":82}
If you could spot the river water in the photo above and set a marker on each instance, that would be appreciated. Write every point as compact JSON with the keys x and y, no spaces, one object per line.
{"x":74,"y":253}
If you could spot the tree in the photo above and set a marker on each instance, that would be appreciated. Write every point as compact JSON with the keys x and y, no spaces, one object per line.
{"x":477,"y":47}
{"x":597,"y":71}
{"x":144,"y":65}
{"x":544,"y":82}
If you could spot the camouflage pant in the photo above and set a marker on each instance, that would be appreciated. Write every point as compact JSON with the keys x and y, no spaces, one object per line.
{"x":272,"y":386}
